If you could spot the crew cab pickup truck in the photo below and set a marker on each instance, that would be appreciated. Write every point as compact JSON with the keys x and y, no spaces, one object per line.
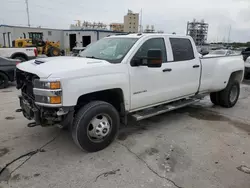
{"x":22,"y":54}
{"x":137,"y":75}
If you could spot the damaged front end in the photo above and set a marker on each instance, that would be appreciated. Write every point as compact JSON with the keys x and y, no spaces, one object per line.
{"x":41,"y":100}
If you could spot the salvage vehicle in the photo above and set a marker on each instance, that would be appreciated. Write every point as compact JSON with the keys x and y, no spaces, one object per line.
{"x":217,"y":53}
{"x":247,"y":68}
{"x":246,"y":53}
{"x":140,"y":75}
{"x":7,"y":71}
{"x":77,"y":50}
{"x":22,"y":54}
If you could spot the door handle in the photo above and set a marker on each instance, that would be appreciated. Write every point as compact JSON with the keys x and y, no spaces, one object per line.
{"x":196,"y":66}
{"x":167,"y":70}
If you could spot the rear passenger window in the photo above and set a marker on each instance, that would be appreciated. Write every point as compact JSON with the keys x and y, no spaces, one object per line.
{"x":154,"y":43}
{"x":182,"y":49}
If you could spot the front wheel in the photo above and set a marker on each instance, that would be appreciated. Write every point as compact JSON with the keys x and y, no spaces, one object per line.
{"x":95,"y":126}
{"x":53,"y":51}
{"x":4,"y":80}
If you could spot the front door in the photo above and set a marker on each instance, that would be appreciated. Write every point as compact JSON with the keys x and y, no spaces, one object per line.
{"x":146,"y":83}
{"x":72,"y":41}
{"x":86,"y":40}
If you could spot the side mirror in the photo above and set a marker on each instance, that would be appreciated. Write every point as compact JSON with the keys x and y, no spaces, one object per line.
{"x":204,"y":53}
{"x":154,"y":58}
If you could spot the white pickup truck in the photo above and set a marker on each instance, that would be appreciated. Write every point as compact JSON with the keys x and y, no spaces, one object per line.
{"x":23,"y":54}
{"x":138,"y":75}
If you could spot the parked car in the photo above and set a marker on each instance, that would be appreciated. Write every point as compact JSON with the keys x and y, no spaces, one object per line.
{"x":7,"y":71}
{"x":22,"y":54}
{"x":246,"y":53}
{"x":141,"y":75}
{"x":247,"y":68}
{"x":77,"y":50}
{"x":216,"y":53}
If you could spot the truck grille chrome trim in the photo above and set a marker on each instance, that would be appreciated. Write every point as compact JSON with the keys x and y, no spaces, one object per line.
{"x":48,"y":105}
{"x":47,"y":92}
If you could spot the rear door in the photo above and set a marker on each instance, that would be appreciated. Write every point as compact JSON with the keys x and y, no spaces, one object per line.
{"x":182,"y":71}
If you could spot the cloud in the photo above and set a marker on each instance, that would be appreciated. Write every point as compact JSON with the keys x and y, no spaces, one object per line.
{"x":168,"y":15}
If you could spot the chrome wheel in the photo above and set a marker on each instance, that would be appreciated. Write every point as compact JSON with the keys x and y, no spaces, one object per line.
{"x":233,"y":94}
{"x":99,"y":128}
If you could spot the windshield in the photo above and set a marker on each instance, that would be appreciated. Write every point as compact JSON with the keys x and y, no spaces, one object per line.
{"x":218,"y":52}
{"x":110,"y":49}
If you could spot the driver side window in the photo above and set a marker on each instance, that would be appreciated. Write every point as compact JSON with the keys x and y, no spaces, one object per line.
{"x":154,"y":43}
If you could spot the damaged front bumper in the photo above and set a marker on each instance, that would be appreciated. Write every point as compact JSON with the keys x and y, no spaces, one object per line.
{"x":41,"y":100}
{"x":46,"y":116}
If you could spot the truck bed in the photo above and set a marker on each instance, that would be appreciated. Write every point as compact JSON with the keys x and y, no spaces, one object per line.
{"x":219,"y":69}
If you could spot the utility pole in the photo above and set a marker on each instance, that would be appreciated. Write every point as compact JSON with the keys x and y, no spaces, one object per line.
{"x":141,"y":28}
{"x":229,"y":33}
{"x":27,"y":10}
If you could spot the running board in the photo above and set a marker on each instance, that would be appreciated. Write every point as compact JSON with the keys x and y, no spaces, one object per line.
{"x":150,"y":112}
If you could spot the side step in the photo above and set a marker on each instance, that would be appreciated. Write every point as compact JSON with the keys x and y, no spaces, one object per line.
{"x":150,"y":112}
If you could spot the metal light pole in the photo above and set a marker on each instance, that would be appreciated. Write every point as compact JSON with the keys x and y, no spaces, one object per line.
{"x":27,"y":10}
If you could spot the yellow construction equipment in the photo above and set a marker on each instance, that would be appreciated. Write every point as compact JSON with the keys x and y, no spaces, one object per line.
{"x":35,"y":39}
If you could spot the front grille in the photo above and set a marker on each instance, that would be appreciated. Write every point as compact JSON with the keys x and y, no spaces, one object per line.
{"x":25,"y":82}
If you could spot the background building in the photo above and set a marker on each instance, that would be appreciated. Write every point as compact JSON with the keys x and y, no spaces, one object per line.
{"x":8,"y":33}
{"x":149,"y":29}
{"x":131,"y":22}
{"x":117,"y":27}
{"x":198,"y":30}
{"x":70,"y":38}
{"x":88,"y":25}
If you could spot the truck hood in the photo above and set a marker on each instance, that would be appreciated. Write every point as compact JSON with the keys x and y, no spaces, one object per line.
{"x":45,"y":67}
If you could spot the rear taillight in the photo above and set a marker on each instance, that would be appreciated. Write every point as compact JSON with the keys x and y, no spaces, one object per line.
{"x":35,"y":51}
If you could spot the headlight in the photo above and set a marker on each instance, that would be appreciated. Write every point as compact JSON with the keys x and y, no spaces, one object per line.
{"x":47,"y":92}
{"x":48,"y":99}
{"x":47,"y":85}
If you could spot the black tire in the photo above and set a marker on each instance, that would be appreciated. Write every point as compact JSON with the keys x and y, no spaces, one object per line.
{"x":83,"y":119}
{"x":53,"y":51}
{"x":224,"y":96}
{"x":21,"y":59}
{"x":214,"y":97}
{"x":4,"y":80}
{"x":246,"y":76}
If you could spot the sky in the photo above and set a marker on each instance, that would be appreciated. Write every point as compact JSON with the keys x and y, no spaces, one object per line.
{"x":167,"y":15}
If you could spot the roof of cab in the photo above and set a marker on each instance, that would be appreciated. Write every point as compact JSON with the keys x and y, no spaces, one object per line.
{"x":139,"y":35}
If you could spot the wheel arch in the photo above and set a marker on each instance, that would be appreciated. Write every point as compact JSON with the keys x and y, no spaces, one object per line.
{"x":1,"y":71}
{"x":19,"y":54}
{"x":113,"y":96}
{"x":237,"y":75}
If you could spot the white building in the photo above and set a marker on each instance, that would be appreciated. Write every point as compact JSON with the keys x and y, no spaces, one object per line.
{"x":68,"y":38}
{"x":83,"y":37}
{"x":9,"y":33}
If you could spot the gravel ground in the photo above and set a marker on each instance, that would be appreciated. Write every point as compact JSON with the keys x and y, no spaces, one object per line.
{"x":198,"y":146}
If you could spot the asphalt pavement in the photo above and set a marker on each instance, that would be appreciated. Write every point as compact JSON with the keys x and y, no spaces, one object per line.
{"x":202,"y":146}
